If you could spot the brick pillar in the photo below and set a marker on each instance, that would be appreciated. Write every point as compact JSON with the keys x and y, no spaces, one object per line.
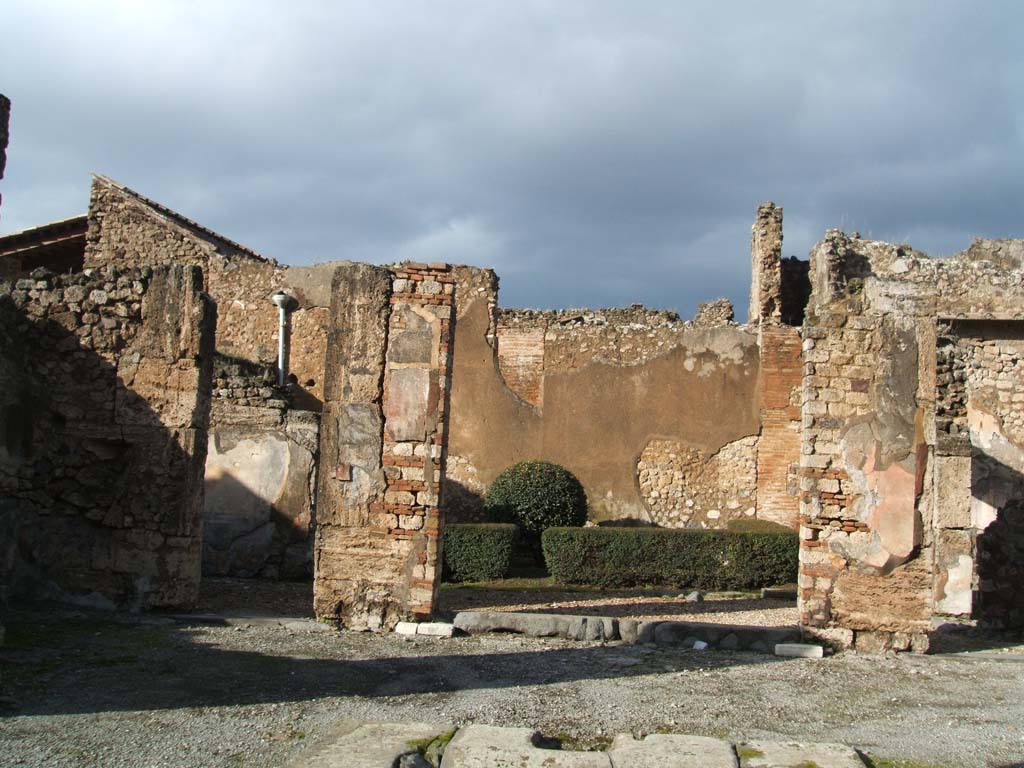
{"x":383,"y":444}
{"x":778,"y":450}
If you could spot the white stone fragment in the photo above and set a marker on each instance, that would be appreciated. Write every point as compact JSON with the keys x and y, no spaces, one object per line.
{"x":435,"y":629}
{"x":405,"y":628}
{"x":799,"y":650}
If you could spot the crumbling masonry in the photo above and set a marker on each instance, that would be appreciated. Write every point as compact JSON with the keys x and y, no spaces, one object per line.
{"x":873,"y":400}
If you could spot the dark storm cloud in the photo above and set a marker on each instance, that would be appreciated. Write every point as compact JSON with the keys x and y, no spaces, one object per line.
{"x":593,"y":153}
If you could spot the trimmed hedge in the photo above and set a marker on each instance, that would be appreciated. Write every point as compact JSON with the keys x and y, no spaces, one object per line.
{"x":630,"y":557}
{"x":753,"y":525}
{"x":536,"y":495}
{"x":478,"y":551}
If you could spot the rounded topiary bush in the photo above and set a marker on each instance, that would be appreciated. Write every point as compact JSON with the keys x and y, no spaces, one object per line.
{"x":537,"y":495}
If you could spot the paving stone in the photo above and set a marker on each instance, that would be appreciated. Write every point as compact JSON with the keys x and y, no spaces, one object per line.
{"x":778,"y":754}
{"x":671,"y":751}
{"x":367,"y":745}
{"x":799,"y":650}
{"x":488,"y":746}
{"x":405,"y":628}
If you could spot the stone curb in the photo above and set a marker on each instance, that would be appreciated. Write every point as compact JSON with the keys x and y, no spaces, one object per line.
{"x":602,"y":628}
{"x":353,"y":744}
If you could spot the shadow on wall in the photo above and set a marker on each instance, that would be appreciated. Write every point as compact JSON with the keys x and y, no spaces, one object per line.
{"x":100,"y":500}
{"x":245,"y":535}
{"x":462,"y":504}
{"x":999,"y":600}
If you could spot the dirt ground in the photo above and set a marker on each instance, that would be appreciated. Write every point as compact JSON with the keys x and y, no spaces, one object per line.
{"x":80,"y":689}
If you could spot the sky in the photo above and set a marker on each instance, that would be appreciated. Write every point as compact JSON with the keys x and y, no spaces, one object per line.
{"x":593,"y":153}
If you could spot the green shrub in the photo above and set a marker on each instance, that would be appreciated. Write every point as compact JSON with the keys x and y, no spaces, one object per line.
{"x":536,"y":495}
{"x":630,"y":557}
{"x":477,"y":551}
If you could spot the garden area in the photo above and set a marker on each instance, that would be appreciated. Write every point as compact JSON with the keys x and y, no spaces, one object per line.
{"x":539,"y":554}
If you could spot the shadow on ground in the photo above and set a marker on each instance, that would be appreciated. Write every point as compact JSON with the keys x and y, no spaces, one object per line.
{"x":95,"y":663}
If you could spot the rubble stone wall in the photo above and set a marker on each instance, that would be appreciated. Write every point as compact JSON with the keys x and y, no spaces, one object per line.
{"x":884,"y":483}
{"x":262,"y":460}
{"x":383,"y":444}
{"x":126,"y":229}
{"x":104,"y":395}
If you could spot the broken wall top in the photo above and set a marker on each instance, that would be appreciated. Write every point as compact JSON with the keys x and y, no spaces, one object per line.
{"x":984,"y":281}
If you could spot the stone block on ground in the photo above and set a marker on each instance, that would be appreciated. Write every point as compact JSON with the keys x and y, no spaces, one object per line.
{"x":671,"y":751}
{"x":353,"y":743}
{"x":405,"y":628}
{"x":779,"y":754}
{"x":435,"y":629}
{"x":488,"y":746}
{"x":799,"y":650}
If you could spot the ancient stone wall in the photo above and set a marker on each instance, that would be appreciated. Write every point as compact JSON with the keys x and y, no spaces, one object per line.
{"x":657,"y":416}
{"x":260,"y":477}
{"x":766,"y":265}
{"x":383,"y":443}
{"x":884,"y":482}
{"x":262,"y":460}
{"x":104,"y":394}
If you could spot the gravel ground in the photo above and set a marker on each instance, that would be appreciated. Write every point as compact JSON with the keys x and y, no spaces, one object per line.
{"x":95,"y":690}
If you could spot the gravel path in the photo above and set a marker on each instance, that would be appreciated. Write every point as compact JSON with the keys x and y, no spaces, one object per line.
{"x":94,"y":690}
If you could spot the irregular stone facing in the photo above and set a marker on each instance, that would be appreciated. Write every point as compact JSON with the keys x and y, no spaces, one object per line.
{"x":766,"y":270}
{"x":128,"y":229}
{"x":383,"y":444}
{"x":712,"y":313}
{"x":682,"y":487}
{"x":105,"y":396}
{"x":892,"y":447}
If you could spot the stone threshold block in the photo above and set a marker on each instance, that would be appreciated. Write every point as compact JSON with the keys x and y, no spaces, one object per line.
{"x":799,"y":651}
{"x":671,"y":750}
{"x":353,"y":743}
{"x":487,"y":746}
{"x":427,"y":628}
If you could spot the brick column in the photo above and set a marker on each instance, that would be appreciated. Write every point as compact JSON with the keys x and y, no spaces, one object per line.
{"x":383,"y":444}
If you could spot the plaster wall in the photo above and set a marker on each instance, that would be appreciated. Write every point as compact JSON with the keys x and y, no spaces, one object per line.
{"x":605,"y":389}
